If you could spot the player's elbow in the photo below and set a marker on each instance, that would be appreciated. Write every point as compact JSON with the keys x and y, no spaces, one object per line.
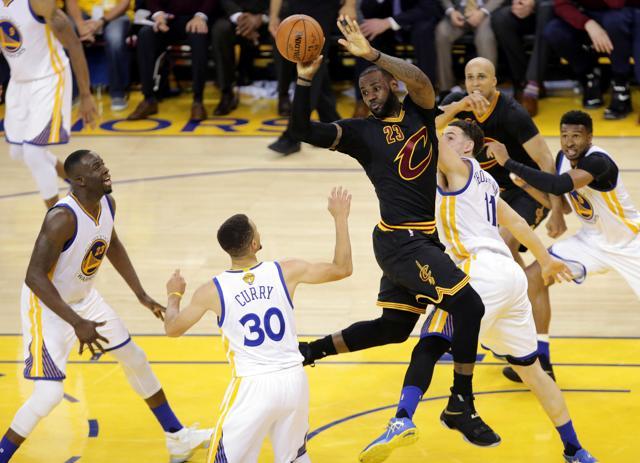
{"x":172,"y":331}
{"x":344,"y":271}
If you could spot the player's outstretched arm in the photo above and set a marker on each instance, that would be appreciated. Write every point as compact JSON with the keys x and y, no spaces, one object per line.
{"x":454,"y":169}
{"x":553,"y":270}
{"x":58,"y":228}
{"x":176,"y":321}
{"x":541,"y":197}
{"x":63,"y":30}
{"x":299,"y":271}
{"x":418,"y":84}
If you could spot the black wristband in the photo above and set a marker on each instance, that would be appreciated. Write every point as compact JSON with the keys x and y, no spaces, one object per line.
{"x":305,"y":80}
{"x":377,"y":57}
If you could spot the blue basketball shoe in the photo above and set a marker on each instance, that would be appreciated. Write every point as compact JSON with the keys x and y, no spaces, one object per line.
{"x":400,"y":432}
{"x":581,"y":456}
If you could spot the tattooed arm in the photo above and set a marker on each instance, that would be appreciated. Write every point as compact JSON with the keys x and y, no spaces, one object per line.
{"x":418,"y":84}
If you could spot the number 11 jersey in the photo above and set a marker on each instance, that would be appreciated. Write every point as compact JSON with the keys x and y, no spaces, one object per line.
{"x":467,"y":219}
{"x":257,"y":323}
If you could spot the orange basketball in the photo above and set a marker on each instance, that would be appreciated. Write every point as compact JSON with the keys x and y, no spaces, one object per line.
{"x":300,"y":38}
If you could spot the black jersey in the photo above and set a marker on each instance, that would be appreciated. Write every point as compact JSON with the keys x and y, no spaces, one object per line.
{"x":400,"y":157}
{"x":506,"y":122}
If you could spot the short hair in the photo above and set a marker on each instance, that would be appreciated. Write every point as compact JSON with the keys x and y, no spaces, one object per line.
{"x":473,"y":131}
{"x":576,"y":117}
{"x":373,"y":68}
{"x":73,"y":160}
{"x":235,"y":235}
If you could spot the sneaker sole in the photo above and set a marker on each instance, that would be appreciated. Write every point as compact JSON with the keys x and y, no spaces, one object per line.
{"x":379,"y":453}
{"x":453,"y":428}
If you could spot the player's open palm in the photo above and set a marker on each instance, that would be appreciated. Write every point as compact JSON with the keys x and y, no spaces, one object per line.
{"x":339,"y":203}
{"x":555,"y":271}
{"x":86,"y":331}
{"x":354,"y":41}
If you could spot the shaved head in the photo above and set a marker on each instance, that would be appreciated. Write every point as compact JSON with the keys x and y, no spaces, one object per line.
{"x":480,"y":77}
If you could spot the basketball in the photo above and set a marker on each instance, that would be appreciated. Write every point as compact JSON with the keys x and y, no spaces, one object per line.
{"x":300,"y":38}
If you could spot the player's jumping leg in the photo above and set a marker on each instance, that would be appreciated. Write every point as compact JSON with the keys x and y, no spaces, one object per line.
{"x":550,"y":397}
{"x":538,"y":294}
{"x":181,"y":441}
{"x":45,"y":397}
{"x":42,"y":165}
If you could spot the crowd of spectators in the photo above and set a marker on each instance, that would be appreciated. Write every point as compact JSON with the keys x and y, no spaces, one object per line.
{"x":526,"y":34}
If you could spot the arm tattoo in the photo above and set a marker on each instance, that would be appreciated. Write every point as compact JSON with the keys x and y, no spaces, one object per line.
{"x":403,"y":70}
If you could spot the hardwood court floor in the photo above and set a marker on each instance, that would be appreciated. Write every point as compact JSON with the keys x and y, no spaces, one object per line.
{"x":172,"y":194}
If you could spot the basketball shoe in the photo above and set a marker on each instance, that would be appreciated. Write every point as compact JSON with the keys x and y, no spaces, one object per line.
{"x":461,"y":415}
{"x":581,"y":456}
{"x":181,"y":444}
{"x":399,"y":432}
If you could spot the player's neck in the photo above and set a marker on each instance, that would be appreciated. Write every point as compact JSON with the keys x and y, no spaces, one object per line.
{"x":90,"y":203}
{"x":242,"y":263}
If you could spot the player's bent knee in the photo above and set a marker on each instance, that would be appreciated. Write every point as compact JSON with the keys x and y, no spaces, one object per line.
{"x":45,"y":397}
{"x":137,"y":369}
{"x":37,"y":159}
{"x":469,"y":303}
{"x":16,"y":153}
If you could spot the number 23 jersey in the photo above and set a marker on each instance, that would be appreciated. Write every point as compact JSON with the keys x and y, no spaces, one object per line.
{"x":257,"y":322}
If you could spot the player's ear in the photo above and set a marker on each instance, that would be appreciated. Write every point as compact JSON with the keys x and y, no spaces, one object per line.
{"x":393,"y":85}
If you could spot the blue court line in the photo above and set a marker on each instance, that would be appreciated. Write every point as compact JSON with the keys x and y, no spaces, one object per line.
{"x":304,"y":335}
{"x":246,"y":170}
{"x":94,"y":429}
{"x":72,"y":460}
{"x":70,"y":398}
{"x":329,"y":362}
{"x":332,"y":424}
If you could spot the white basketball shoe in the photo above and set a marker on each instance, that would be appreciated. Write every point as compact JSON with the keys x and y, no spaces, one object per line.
{"x":181,"y":444}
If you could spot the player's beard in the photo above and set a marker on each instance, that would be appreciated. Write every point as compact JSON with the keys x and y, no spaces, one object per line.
{"x":390,"y":106}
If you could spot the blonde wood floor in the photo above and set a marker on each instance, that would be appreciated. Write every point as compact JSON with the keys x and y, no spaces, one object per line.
{"x":173,"y":193}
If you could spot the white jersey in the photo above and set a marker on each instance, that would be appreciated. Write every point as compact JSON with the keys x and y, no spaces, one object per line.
{"x":257,"y":321}
{"x":28,"y":43}
{"x":608,"y":217}
{"x":74,"y":273}
{"x":467,"y":219}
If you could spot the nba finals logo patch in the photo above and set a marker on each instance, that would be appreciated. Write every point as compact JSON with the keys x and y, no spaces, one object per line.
{"x":10,"y":37}
{"x":425,"y":274}
{"x":93,"y":258}
{"x":249,"y":278}
{"x":581,"y":205}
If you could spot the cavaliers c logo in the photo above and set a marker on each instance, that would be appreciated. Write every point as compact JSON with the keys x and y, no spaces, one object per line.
{"x":93,"y":257}
{"x":581,"y":205}
{"x":405,"y":168}
{"x":10,"y":38}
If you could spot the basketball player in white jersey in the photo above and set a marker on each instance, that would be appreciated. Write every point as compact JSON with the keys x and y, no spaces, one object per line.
{"x":60,"y":305}
{"x":33,"y":37}
{"x":269,"y":392}
{"x":608,"y":240}
{"x":469,"y":212}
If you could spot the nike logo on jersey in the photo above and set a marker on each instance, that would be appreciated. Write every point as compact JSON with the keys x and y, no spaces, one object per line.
{"x":406,"y":169}
{"x":252,"y":294}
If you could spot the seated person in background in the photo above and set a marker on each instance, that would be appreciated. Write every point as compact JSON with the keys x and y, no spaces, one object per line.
{"x":244,"y":22}
{"x":388,"y":21}
{"x":585,"y":28}
{"x":510,"y":24}
{"x":175,"y":21}
{"x":463,"y":16}
{"x":110,"y":20}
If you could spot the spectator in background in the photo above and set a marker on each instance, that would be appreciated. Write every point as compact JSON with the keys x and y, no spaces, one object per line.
{"x":585,"y":28}
{"x":244,"y":22}
{"x":175,"y":21}
{"x":322,"y":97}
{"x":388,"y":21}
{"x":634,"y":5}
{"x":510,"y":24}
{"x":464,"y":16}
{"x":110,"y":20}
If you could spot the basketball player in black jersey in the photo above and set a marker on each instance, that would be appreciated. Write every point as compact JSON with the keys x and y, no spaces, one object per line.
{"x":397,"y":147}
{"x":502,"y":119}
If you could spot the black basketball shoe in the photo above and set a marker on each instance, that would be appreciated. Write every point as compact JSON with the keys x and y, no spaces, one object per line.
{"x":461,"y":415}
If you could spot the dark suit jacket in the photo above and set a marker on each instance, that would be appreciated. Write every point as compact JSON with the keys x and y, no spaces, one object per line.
{"x":241,"y":6}
{"x":413,"y":11}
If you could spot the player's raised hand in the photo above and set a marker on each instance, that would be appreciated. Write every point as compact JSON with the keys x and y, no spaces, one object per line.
{"x":176,"y":283}
{"x":498,"y":151}
{"x":339,"y":203}
{"x":88,"y":110}
{"x":306,"y":71}
{"x":554,"y":271}
{"x":556,"y":225}
{"x":86,"y":331}
{"x":157,"y":309}
{"x":354,"y":41}
{"x":477,"y":103}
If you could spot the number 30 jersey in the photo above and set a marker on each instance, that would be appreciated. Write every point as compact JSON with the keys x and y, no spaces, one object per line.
{"x":467,"y":219}
{"x":257,"y":323}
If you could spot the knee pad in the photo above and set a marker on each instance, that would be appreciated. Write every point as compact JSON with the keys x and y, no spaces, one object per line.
{"x":466,"y":303}
{"x":15,"y":151}
{"x":42,"y":165}
{"x":137,"y":369}
{"x":45,"y":397}
{"x":397,"y":325}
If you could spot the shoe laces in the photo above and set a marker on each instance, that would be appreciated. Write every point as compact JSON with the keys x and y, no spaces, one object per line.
{"x":395,"y":425}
